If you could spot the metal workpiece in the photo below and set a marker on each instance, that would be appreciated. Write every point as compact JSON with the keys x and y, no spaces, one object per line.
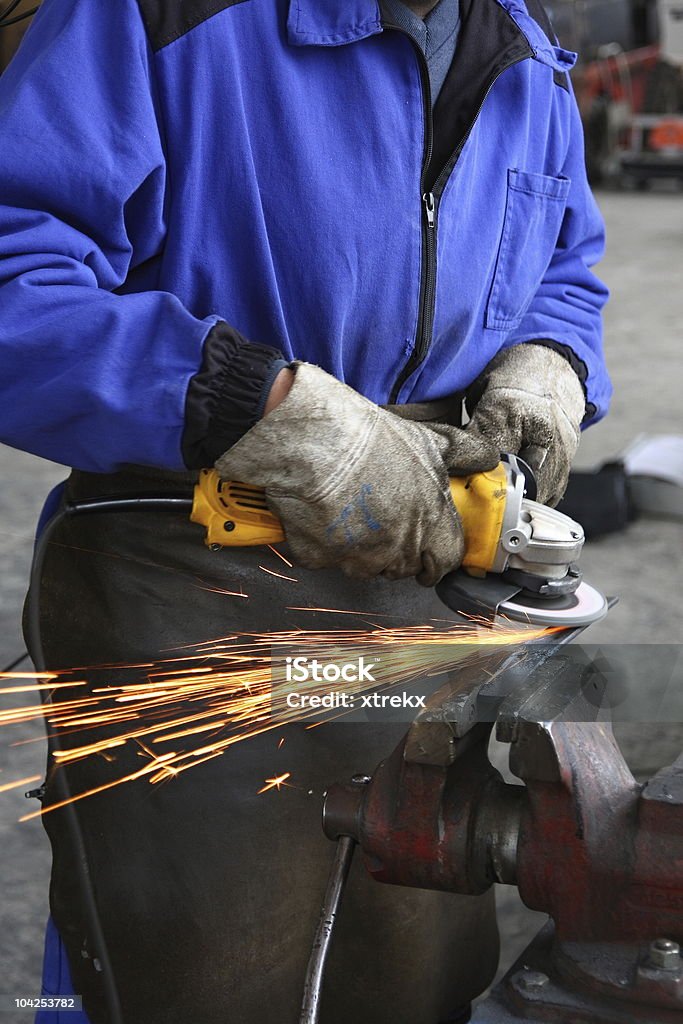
{"x":540,"y":681}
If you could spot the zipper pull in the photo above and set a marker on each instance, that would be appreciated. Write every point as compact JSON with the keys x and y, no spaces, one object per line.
{"x":430,"y":208}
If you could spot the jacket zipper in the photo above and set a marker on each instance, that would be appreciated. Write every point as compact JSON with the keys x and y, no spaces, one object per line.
{"x":425,"y":313}
{"x":431,"y":197}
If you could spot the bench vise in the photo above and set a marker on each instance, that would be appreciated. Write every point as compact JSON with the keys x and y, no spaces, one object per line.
{"x":601,"y":854}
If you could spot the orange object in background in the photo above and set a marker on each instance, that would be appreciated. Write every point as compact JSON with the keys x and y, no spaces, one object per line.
{"x":668,"y":134}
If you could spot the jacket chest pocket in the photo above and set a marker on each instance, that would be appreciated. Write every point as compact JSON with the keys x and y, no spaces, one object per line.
{"x":533,"y":218}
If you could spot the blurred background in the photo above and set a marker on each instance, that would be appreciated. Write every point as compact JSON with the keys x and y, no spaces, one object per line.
{"x":629,"y":85}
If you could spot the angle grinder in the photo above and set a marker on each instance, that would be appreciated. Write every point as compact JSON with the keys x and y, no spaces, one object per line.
{"x":520,"y":556}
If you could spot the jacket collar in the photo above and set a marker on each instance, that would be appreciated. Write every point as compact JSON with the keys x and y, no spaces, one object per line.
{"x":336,"y":22}
{"x":332,"y":22}
{"x":544,"y":51}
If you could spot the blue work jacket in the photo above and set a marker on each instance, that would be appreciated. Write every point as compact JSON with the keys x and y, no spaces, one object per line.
{"x":167,"y":166}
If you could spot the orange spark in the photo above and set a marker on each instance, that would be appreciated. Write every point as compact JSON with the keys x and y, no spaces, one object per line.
{"x":19,"y":782}
{"x":26,"y":675}
{"x":225,"y":593}
{"x":338,"y":611}
{"x":40,"y":686}
{"x":271,"y":572}
{"x":280,"y":555}
{"x":234,"y":696}
{"x":275,"y":783}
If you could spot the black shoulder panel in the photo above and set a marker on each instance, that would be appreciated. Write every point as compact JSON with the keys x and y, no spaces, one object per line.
{"x":167,"y":20}
{"x":540,"y":15}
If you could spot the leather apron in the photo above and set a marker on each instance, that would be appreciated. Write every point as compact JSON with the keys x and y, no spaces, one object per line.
{"x":209,"y":894}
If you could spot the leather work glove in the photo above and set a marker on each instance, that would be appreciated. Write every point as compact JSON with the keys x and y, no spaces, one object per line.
{"x":354,"y":486}
{"x":531,"y":398}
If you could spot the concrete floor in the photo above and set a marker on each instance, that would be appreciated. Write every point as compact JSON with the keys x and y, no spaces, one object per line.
{"x":642,"y":565}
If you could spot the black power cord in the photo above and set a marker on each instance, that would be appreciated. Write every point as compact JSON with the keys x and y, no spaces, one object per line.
{"x":5,"y":19}
{"x":92,"y":506}
{"x":9,"y":9}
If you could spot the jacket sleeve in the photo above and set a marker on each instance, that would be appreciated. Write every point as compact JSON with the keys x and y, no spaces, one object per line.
{"x":566,"y":310}
{"x":90,"y":378}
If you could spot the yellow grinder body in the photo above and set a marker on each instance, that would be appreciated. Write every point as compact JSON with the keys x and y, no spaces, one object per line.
{"x":237,"y":515}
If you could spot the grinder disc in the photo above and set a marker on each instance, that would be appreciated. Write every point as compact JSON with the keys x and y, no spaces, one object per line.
{"x":584,"y":606}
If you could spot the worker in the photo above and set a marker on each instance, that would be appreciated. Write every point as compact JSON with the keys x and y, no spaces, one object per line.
{"x":338,"y":249}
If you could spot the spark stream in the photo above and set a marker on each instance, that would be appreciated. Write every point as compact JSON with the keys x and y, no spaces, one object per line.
{"x":182,"y":716}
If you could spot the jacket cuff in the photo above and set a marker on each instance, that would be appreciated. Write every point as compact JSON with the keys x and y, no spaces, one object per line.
{"x":227,"y":396}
